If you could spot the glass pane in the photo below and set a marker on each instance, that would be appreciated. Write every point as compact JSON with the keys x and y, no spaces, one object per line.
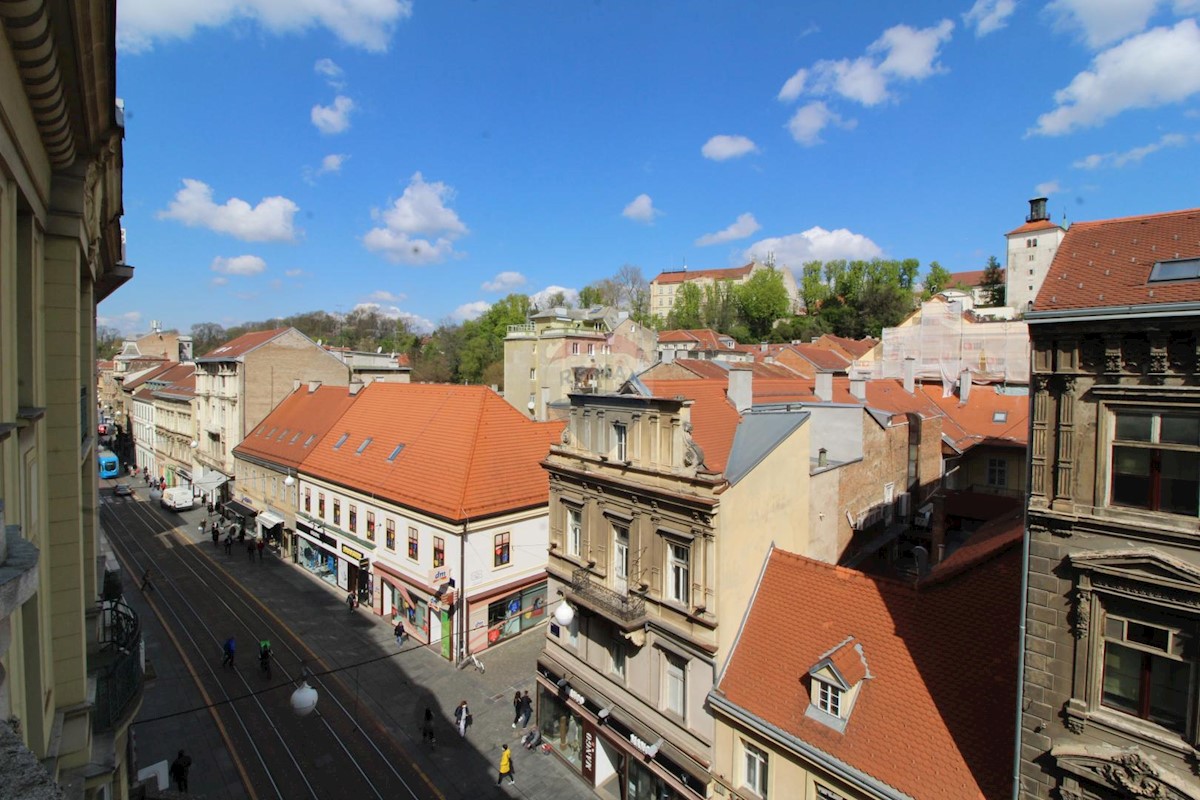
{"x":1180,"y":483}
{"x":1179,"y":430}
{"x":1131,"y":477}
{"x":1134,"y":427}
{"x":1147,"y":635}
{"x":1114,"y":627}
{"x":1122,"y":677}
{"x":1169,"y":692}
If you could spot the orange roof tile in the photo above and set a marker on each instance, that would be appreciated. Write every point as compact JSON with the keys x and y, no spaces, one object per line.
{"x":150,"y":374}
{"x":972,"y":278}
{"x":714,"y":419}
{"x":990,"y":538}
{"x":235,"y":348}
{"x":283,"y":436}
{"x":1034,"y":227}
{"x":935,"y":718}
{"x":684,"y":275}
{"x":1108,"y":262}
{"x":466,"y":452}
{"x":855,"y":348}
{"x":705,"y":337}
{"x":847,"y":661}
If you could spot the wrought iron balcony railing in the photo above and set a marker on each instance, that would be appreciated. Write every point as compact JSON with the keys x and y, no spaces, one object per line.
{"x":624,"y":606}
{"x":119,"y":668}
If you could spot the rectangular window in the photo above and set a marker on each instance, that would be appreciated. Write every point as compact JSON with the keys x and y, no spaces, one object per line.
{"x":997,"y":472}
{"x":1156,"y":462}
{"x":413,"y":544}
{"x":754,"y":769}
{"x":370,"y":526}
{"x":308,"y":500}
{"x":829,"y":698}
{"x":621,"y":558}
{"x":679,"y":559}
{"x":439,"y":551}
{"x":390,"y":535}
{"x":675,"y":685}
{"x":1149,"y":660}
{"x":352,"y":518}
{"x":574,"y":348}
{"x":574,"y":532}
{"x":321,"y":505}
{"x":337,"y":512}
{"x":616,"y":655}
{"x":502,"y":552}
{"x":591,"y":349}
{"x":619,"y":433}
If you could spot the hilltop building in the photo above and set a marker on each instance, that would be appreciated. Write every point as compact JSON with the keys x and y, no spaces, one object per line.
{"x":665,"y":286}
{"x":1030,"y":250}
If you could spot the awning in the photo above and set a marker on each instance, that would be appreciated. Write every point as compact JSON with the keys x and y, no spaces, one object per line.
{"x":269,"y":520}
{"x":240,"y":508}
{"x":209,"y":481}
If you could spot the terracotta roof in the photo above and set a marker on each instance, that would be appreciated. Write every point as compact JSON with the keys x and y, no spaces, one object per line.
{"x":714,"y":419}
{"x":935,"y":719}
{"x":978,"y":419}
{"x":973,"y":278}
{"x":994,"y":536}
{"x":235,"y":348}
{"x":1108,"y":262}
{"x":847,"y":661}
{"x":684,"y":275}
{"x":180,"y":381}
{"x":301,"y":416}
{"x":105,"y":364}
{"x":823,"y":358}
{"x":855,"y":348}
{"x":1034,"y":227}
{"x":137,"y":379}
{"x":705,"y":337}
{"x":466,"y":452}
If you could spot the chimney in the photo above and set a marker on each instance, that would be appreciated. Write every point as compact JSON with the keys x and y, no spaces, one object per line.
{"x":822,"y":457}
{"x":313,"y":386}
{"x":910,"y":374}
{"x":741,"y":388}
{"x":296,"y":382}
{"x":762,"y":347}
{"x":667,"y":356}
{"x":355,"y":387}
{"x":858,"y":386}
{"x":824,"y":388}
{"x":1037,"y":210}
{"x":964,"y":387}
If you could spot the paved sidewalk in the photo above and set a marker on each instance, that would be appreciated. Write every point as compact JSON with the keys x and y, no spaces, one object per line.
{"x":399,"y":688}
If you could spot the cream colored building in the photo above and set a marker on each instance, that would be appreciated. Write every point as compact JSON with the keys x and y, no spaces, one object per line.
{"x":565,"y":350}
{"x":173,"y":397}
{"x":60,"y":255}
{"x":238,"y":383}
{"x":1030,"y":250}
{"x":665,"y":287}
{"x":658,"y":530}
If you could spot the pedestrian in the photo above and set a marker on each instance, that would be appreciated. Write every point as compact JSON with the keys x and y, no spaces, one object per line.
{"x":350,"y":601}
{"x":427,"y":727}
{"x":216,"y":535}
{"x":146,"y":584}
{"x":506,"y":767}
{"x":179,"y":770}
{"x":210,"y":507}
{"x":259,"y":545}
{"x":462,"y":718}
{"x":526,"y":709}
{"x":399,"y":631}
{"x":517,"y":707}
{"x":230,"y":651}
{"x":229,"y":543}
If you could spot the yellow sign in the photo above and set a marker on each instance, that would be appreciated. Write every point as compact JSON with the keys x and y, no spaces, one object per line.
{"x":350,"y":551}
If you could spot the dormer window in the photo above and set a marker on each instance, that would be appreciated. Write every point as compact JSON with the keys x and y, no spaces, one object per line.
{"x":829,"y":697}
{"x":834,"y":683}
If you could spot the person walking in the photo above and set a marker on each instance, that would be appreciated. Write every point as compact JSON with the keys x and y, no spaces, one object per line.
{"x":350,"y":601}
{"x":179,"y":771}
{"x":526,"y":710}
{"x":229,"y":543}
{"x":146,"y":584}
{"x":517,"y":707}
{"x":250,"y":549}
{"x":399,"y":631}
{"x":259,"y":545}
{"x":427,"y":727}
{"x":216,"y":535}
{"x":506,"y":767}
{"x":230,"y":651}
{"x":462,"y":718}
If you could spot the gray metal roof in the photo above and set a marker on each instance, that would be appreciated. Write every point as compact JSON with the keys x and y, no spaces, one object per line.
{"x":757,"y":435}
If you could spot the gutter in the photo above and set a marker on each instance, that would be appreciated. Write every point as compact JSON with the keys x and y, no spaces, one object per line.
{"x":1145,"y":310}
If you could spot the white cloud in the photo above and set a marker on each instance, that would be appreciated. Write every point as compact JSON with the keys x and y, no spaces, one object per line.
{"x":468,"y":311}
{"x":269,"y":221}
{"x":810,"y":119}
{"x":333,"y":118}
{"x":744,"y":226}
{"x":332,"y":163}
{"x":327,"y":67}
{"x":1047,"y":188}
{"x":384,"y":296}
{"x":219,"y":280}
{"x":418,"y":228}
{"x":794,"y":86}
{"x":1145,"y":71}
{"x":127,"y":322}
{"x":542,"y":299}
{"x":503,"y":282}
{"x":416,"y":322}
{"x":814,"y":244}
{"x":1132,"y":156}
{"x":360,"y":23}
{"x":641,"y":209}
{"x":293,"y":273}
{"x":1102,"y":22}
{"x":239,"y":265}
{"x":989,"y":16}
{"x":722,"y":147}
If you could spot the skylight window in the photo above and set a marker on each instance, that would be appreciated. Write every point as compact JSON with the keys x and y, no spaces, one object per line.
{"x":395,"y":452}
{"x":296,"y":438}
{"x":999,"y":416}
{"x":1182,"y":269}
{"x":283,"y":435}
{"x":341,"y":441}
{"x":309,"y":440}
{"x":362,"y":446}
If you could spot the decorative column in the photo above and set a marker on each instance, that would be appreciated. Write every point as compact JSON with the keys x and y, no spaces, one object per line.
{"x":1041,"y":406}
{"x":1064,"y":489}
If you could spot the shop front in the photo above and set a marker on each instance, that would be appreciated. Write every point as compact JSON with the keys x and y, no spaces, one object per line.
{"x":619,"y":758}
{"x":425,"y":611}
{"x":513,"y":613}
{"x":270,"y":529}
{"x":333,"y":561}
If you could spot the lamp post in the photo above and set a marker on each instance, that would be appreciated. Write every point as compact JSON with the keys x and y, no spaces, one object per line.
{"x":304,"y":699}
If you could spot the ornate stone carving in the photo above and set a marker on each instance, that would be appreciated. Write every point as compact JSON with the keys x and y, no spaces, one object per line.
{"x":1041,"y":383}
{"x":1135,"y":775}
{"x":1112,"y":355}
{"x":566,"y":436}
{"x":1066,"y":384}
{"x":1081,"y":613}
{"x":1075,"y":724}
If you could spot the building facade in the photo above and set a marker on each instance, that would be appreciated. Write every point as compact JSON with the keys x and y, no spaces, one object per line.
{"x":173,"y":396}
{"x":1030,"y":249}
{"x":1111,"y":684}
{"x":665,"y":286}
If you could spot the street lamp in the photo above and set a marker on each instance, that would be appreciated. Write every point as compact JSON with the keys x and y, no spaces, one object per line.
{"x":564,"y":615}
{"x":304,"y":699}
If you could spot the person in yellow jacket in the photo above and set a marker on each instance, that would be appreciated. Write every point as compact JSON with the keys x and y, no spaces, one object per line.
{"x":506,"y":767}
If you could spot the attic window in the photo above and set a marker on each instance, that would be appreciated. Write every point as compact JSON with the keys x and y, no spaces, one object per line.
{"x":341,"y":441}
{"x":829,"y":698}
{"x":296,"y":438}
{"x":282,"y":435}
{"x":395,"y":452}
{"x":271,"y":432}
{"x":999,"y":416}
{"x":309,"y":440}
{"x":362,"y":446}
{"x":1182,"y":269}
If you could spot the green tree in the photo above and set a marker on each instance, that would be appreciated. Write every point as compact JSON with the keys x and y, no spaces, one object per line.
{"x":762,"y":300}
{"x":813,"y":286}
{"x":483,"y":338}
{"x":993,"y":282}
{"x":719,"y":309}
{"x":686,"y":314}
{"x":936,"y":280}
{"x":591,"y":295}
{"x":108,"y":341}
{"x":883,"y":305}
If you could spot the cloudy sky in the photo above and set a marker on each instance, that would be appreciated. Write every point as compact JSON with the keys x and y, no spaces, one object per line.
{"x":284,"y":156}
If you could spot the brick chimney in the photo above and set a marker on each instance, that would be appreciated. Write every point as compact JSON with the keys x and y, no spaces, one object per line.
{"x":824,"y":387}
{"x":741,"y":388}
{"x":910,"y":374}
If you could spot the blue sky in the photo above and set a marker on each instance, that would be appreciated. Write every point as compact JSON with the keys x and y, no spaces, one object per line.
{"x":284,"y":156}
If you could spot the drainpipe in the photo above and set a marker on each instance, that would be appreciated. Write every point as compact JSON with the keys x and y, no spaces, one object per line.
{"x":461,"y":625}
{"x":1025,"y":545}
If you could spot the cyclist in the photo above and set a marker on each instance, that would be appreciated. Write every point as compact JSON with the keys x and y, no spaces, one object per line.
{"x":264,"y":657}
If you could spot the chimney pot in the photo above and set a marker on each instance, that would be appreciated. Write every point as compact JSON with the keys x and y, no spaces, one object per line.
{"x":822,"y":457}
{"x":910,"y":374}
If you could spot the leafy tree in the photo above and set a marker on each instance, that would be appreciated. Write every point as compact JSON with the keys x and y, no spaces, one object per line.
{"x":206,"y":336}
{"x":686,"y":313}
{"x":800,"y":328}
{"x":633,"y":293}
{"x":814,"y":287}
{"x":108,"y":341}
{"x":993,"y":282}
{"x":936,"y":280}
{"x":719,"y":309}
{"x":883,"y":305}
{"x":762,"y":299}
{"x":591,"y":295}
{"x":483,"y":338}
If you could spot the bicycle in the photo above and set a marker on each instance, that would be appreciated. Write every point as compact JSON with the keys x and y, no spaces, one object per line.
{"x":264,"y":660}
{"x":475,"y":662}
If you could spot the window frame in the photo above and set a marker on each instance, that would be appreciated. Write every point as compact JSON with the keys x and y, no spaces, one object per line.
{"x":620,"y":441}
{"x":674,"y":673}
{"x":682,"y":595}
{"x":829,"y":698}
{"x":352,"y":517}
{"x":755,"y":768}
{"x":501,"y":550}
{"x":370,"y":526}
{"x":390,"y":534}
{"x":439,"y":551}
{"x":618,"y":658}
{"x":307,"y":500}
{"x":414,"y":544}
{"x":321,"y":505}
{"x":337,"y":511}
{"x":1153,"y":444}
{"x":997,"y":472}
{"x":574,"y":532}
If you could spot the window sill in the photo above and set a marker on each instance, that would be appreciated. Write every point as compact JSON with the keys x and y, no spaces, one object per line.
{"x":1116,"y":722}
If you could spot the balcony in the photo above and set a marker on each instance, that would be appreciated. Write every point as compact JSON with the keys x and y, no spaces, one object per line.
{"x":117,"y":669}
{"x":521,"y":331}
{"x":629,"y":610}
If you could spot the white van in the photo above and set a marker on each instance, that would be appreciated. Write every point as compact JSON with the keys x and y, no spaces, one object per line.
{"x":178,"y":498}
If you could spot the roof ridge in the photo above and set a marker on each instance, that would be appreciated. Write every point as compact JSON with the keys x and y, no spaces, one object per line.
{"x":1135,"y":217}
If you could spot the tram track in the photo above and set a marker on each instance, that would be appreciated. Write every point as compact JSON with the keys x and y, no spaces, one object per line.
{"x":273,"y":734}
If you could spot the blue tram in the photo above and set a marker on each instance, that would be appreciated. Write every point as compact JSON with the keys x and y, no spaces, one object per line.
{"x":110,"y":465}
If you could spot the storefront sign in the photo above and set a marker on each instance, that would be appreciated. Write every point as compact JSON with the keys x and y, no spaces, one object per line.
{"x":576,"y":697}
{"x":648,"y":750}
{"x":439,"y":575}
{"x":589,"y":752}
{"x":364,"y":563}
{"x":350,"y":551}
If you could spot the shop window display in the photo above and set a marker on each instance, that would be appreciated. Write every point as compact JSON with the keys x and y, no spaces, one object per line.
{"x":559,"y":727}
{"x":515,"y":613}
